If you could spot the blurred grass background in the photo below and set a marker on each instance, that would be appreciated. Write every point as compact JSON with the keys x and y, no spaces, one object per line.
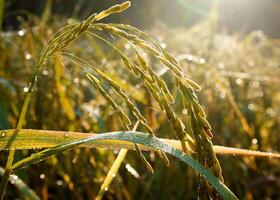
{"x":233,"y":53}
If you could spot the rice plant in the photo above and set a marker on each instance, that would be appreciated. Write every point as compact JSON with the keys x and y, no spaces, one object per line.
{"x":131,"y":83}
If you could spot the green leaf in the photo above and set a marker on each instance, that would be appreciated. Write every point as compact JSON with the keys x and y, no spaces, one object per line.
{"x":134,"y":137}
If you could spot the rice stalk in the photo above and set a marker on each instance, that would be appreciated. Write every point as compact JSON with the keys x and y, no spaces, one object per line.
{"x":200,"y":126}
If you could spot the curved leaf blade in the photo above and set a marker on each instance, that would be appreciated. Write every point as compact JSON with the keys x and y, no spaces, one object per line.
{"x":138,"y":138}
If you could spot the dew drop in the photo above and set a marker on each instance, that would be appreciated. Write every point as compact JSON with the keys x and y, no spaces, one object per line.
{"x":3,"y":134}
{"x":76,"y":80}
{"x":222,"y":95}
{"x":28,"y":56}
{"x":138,"y":86}
{"x":190,"y":57}
{"x":106,"y":189}
{"x":59,"y":182}
{"x":21,"y":33}
{"x":152,"y":156}
{"x":270,"y":155}
{"x":238,"y":81}
{"x":13,"y":178}
{"x":163,"y":45}
{"x":45,"y":72}
{"x":104,"y":61}
{"x":202,"y":60}
{"x":185,"y":112}
{"x":114,"y":175}
{"x":92,"y":161}
{"x":42,"y":176}
{"x":251,"y":106}
{"x":66,"y":134}
{"x":25,"y":89}
{"x":254,"y":141}
{"x":126,"y":46}
{"x":75,"y":160}
{"x":132,"y":170}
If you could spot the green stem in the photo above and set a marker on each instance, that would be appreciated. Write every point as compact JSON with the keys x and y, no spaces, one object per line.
{"x":47,"y":12}
{"x":111,"y":174}
{"x":4,"y":182}
{"x":12,"y":152}
{"x":2,"y":5}
{"x":23,"y":189}
{"x":114,"y":169}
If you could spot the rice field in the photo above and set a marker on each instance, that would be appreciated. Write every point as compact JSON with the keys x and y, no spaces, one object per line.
{"x":91,"y":109}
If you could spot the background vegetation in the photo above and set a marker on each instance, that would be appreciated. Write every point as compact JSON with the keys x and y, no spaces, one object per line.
{"x":239,"y":75}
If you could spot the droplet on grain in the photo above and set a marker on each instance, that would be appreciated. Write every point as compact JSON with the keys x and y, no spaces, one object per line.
{"x":163,"y":45}
{"x":185,"y":112}
{"x":66,"y":134}
{"x":106,"y":188}
{"x":114,"y":175}
{"x":126,"y":46}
